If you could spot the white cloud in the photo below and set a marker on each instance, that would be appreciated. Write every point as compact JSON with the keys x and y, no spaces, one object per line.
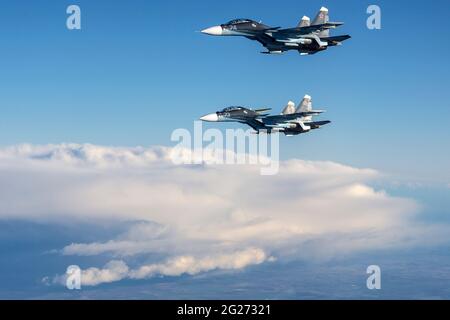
{"x":191,"y":265}
{"x":112,"y":271}
{"x":201,"y":217}
{"x":117,"y":270}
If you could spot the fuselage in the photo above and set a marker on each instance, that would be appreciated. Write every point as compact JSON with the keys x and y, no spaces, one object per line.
{"x":231,"y":114}
{"x":304,"y":39}
{"x":237,"y":27}
{"x":292,"y":124}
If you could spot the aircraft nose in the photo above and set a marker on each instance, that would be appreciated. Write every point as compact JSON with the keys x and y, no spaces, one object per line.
{"x":212,"y":117}
{"x":213,"y":31}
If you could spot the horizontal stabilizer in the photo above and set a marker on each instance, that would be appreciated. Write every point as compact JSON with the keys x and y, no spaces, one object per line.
{"x":335,"y":41}
{"x":331,"y":25}
{"x":272,"y":52}
{"x":317,"y":124}
{"x":313,"y":112}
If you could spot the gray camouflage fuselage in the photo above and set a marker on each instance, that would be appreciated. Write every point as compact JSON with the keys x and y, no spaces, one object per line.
{"x":306,"y":38}
{"x":297,"y":122}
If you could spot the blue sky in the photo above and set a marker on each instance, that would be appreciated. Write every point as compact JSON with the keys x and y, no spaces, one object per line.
{"x":136,"y":71}
{"x":140,"y":69}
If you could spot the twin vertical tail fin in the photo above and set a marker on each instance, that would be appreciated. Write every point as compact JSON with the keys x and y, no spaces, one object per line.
{"x":305,"y":106}
{"x":322,"y":18}
{"x":305,"y":22}
{"x":289,"y":109}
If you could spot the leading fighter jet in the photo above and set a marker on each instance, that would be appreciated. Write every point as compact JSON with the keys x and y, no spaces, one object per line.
{"x":306,"y":38}
{"x":292,"y":121}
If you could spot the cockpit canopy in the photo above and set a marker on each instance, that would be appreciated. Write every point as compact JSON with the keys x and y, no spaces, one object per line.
{"x":239,"y":21}
{"x":229,"y":109}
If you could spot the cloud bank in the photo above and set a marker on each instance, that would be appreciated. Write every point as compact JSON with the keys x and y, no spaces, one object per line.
{"x":117,"y":269}
{"x":197,"y":218}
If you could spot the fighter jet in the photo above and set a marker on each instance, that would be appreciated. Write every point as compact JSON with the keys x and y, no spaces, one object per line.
{"x":306,"y":38}
{"x":292,"y":121}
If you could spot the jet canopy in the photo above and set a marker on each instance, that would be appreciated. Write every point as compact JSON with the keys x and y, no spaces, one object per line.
{"x":229,"y":109}
{"x":239,"y":21}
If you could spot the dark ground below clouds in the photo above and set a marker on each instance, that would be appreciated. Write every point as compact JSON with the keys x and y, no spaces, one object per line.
{"x":409,"y":274}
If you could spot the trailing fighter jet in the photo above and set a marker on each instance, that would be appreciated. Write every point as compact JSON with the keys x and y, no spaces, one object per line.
{"x":307,"y":38}
{"x":292,"y":121}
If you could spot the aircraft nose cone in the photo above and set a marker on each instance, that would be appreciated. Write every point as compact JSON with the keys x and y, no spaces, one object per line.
{"x":213,"y":31}
{"x":212,"y":117}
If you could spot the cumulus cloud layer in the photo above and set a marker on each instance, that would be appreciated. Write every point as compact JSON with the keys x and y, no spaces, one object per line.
{"x":201,"y":217}
{"x":117,"y":269}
